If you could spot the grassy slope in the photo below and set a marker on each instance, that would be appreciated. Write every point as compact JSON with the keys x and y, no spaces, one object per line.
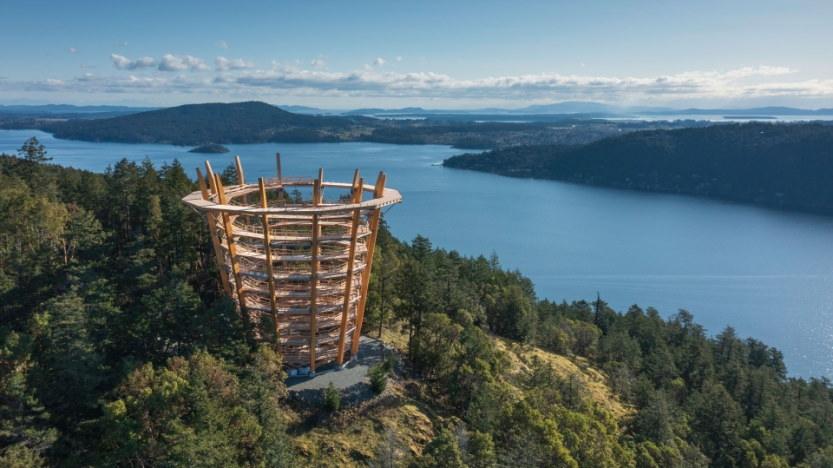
{"x":594,"y":383}
{"x":407,"y":413}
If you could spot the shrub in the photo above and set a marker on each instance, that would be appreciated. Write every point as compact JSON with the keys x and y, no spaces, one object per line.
{"x":378,"y":377}
{"x":332,"y":398}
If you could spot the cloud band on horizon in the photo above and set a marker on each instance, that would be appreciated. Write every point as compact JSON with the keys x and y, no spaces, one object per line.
{"x":237,"y":77}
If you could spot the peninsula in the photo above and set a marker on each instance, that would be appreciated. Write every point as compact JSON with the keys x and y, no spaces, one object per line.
{"x":786,"y":166}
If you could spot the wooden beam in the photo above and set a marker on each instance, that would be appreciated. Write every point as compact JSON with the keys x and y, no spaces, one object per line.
{"x":355,"y":185}
{"x":378,"y":192}
{"x":212,"y":227}
{"x":319,"y":199}
{"x":240,"y":179}
{"x":354,"y":232}
{"x":232,"y":250}
{"x":280,"y":176}
{"x":209,"y":177}
{"x":267,"y":244}
{"x":313,"y":306}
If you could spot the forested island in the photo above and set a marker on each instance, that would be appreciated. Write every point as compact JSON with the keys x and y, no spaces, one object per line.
{"x":117,"y":347}
{"x":212,"y":148}
{"x":785,"y":166}
{"x":258,"y":122}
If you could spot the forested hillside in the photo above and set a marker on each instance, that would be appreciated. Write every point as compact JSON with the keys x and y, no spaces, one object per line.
{"x":258,"y":122}
{"x":785,"y":166}
{"x":117,"y":349}
{"x":195,"y":124}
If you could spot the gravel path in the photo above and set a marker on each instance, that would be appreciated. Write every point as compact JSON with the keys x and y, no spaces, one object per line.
{"x":371,"y":351}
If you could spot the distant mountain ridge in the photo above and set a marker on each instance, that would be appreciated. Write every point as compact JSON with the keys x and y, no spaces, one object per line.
{"x":557,"y":108}
{"x":593,"y":108}
{"x":772,"y":110}
{"x":258,"y":122}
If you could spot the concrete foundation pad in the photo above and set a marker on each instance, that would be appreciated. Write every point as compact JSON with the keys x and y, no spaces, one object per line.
{"x":371,"y":352}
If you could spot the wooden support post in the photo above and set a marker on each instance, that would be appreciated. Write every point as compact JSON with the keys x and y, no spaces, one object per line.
{"x":211,"y":181}
{"x":212,"y":227}
{"x":232,"y":250}
{"x":313,"y":306}
{"x":278,"y":161}
{"x":267,"y":244}
{"x":354,"y":232}
{"x":378,"y":192}
{"x":319,"y":199}
{"x":240,"y":179}
{"x":355,"y":185}
{"x":209,"y":177}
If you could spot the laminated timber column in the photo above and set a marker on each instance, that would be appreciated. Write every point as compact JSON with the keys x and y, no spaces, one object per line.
{"x":217,"y":219}
{"x":240,"y":179}
{"x":358,"y":184}
{"x":212,"y":228}
{"x":270,"y":274}
{"x":278,"y":162}
{"x":313,"y":305}
{"x":378,"y":192}
{"x":232,"y":250}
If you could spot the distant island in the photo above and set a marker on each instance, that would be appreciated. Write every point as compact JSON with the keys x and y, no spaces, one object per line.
{"x":258,"y":122}
{"x":210,"y":149}
{"x":786,"y":166}
{"x":244,"y":122}
{"x":750,"y":117}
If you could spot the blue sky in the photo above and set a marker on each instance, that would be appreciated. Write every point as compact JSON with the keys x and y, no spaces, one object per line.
{"x":446,"y":54}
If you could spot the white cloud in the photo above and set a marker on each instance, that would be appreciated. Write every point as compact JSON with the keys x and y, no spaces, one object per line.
{"x":741,"y":82}
{"x":171,"y":62}
{"x":120,"y":61}
{"x":378,"y":62}
{"x":744,"y":83}
{"x":123,"y":63}
{"x":318,"y":63}
{"x":759,"y":71}
{"x":221,"y":44}
{"x":124,"y":44}
{"x":223,"y":64}
{"x":398,"y":59}
{"x":73,"y":50}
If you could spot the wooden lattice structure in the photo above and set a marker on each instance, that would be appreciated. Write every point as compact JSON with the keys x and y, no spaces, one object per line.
{"x":296,"y":262}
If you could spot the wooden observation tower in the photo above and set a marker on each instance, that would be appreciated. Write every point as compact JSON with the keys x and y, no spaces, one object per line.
{"x":296,"y":263}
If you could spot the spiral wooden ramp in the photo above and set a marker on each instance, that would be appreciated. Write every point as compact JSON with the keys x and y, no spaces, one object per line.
{"x":297,"y":264}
